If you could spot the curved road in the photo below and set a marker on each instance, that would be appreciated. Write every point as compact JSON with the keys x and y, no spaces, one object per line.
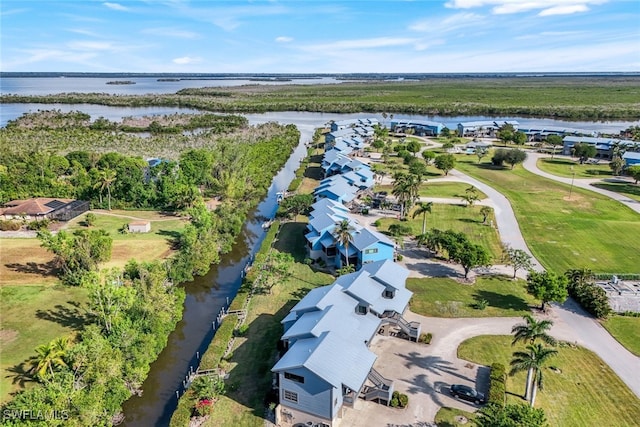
{"x":531,"y":164}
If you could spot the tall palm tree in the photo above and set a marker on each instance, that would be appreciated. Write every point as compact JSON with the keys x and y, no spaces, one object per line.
{"x":105,"y":179}
{"x":422,"y":209}
{"x":532,"y":330}
{"x":405,"y":188}
{"x":50,"y":355}
{"x":343,"y":233}
{"x":531,"y":361}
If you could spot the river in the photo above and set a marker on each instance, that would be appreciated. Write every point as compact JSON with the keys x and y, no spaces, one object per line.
{"x":206,"y":295}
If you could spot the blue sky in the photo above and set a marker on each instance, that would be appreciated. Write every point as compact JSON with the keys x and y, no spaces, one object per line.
{"x":320,"y":36}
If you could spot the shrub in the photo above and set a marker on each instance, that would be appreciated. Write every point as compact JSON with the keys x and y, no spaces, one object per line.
{"x":399,"y":400}
{"x":37,"y":225}
{"x":90,"y":219}
{"x":377,"y":223}
{"x":497,"y":388}
{"x":403,"y":399}
{"x":426,"y":338}
{"x":394,"y":401}
{"x":9,"y":226}
{"x":242,"y":330}
{"x":591,"y":297}
{"x":481,"y":304}
{"x":400,"y":257}
{"x":307,"y":261}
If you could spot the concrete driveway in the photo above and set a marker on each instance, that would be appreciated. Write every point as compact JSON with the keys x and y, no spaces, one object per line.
{"x":425,"y":372}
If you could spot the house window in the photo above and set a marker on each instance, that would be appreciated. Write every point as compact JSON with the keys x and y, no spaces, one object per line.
{"x":361,"y":309}
{"x":387,"y":294}
{"x":290,"y":396}
{"x":371,"y":251}
{"x":294,"y":377}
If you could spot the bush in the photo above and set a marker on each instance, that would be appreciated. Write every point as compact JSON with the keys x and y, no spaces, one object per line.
{"x":400,"y":257}
{"x":307,"y":261}
{"x":426,"y":338}
{"x":497,"y":389}
{"x":591,"y":297}
{"x":399,"y":230}
{"x":399,"y":400}
{"x":481,"y":304}
{"x":9,"y":226}
{"x":90,"y":219}
{"x":403,"y":400}
{"x":394,"y":401}
{"x":38,"y":225}
{"x":242,"y":330}
{"x":377,"y":223}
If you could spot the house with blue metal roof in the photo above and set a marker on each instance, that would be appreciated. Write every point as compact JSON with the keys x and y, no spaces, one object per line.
{"x":367,"y":246}
{"x":336,"y":188}
{"x":484,"y":127}
{"x":420,"y":127}
{"x":353,"y":123}
{"x":604,"y":146}
{"x":323,"y":218}
{"x":631,"y":158}
{"x":328,"y":365}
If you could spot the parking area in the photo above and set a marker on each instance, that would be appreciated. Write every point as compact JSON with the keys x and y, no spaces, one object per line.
{"x":425,"y":372}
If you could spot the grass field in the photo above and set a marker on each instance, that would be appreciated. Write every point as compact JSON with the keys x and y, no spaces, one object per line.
{"x":34,"y":315}
{"x":588,"y":230}
{"x":586,"y":392}
{"x":455,"y":217}
{"x":446,"y":189}
{"x":24,"y":262}
{"x":626,"y":330}
{"x":562,"y":166}
{"x":630,"y":190}
{"x":444,"y":297}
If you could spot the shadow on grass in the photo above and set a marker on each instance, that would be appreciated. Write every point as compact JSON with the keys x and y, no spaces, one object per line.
{"x":68,"y":317}
{"x":22,"y":373}
{"x":42,"y":269}
{"x":503,"y":301}
{"x":291,"y":240}
{"x":314,"y":172}
{"x":470,"y":221}
{"x":174,"y":235}
{"x":619,"y":188}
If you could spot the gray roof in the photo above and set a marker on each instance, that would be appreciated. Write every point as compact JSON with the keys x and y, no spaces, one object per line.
{"x":388,"y":272}
{"x":630,"y":155}
{"x":594,"y":140}
{"x":365,"y":238}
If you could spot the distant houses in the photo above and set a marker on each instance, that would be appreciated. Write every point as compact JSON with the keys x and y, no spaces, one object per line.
{"x":327,"y":365}
{"x":604,"y":146}
{"x":419,"y":127}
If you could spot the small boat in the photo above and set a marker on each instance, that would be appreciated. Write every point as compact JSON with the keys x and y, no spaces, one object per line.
{"x":267,"y":224}
{"x":280,"y":196}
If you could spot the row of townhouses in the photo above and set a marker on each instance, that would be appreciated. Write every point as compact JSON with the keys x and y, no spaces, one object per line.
{"x":327,"y":365}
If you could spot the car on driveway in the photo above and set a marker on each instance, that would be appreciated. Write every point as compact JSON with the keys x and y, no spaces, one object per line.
{"x":467,"y":393}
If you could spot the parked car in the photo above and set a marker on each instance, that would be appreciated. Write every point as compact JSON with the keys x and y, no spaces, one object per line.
{"x":467,"y":393}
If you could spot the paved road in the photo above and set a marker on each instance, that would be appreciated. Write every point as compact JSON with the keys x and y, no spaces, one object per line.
{"x":531,"y":164}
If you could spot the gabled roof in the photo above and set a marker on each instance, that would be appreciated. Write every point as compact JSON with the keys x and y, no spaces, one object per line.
{"x":365,"y":238}
{"x":328,"y":204}
{"x":388,"y":272}
{"x":630,"y":155}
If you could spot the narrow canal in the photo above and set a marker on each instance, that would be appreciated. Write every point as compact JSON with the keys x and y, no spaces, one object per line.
{"x":205,"y":297}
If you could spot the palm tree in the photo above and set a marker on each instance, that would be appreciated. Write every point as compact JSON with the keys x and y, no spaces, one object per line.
{"x":579,"y":276}
{"x":405,"y":188}
{"x":532,"y":330}
{"x":50,"y":355}
{"x":106,"y":178}
{"x":531,"y":361}
{"x":343,"y":233}
{"x":422,"y":209}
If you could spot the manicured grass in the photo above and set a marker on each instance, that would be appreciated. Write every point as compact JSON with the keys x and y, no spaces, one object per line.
{"x":589,"y":230}
{"x":630,"y":190}
{"x":586,"y":392}
{"x":253,"y":356}
{"x":626,"y":330}
{"x":455,"y":217}
{"x":447,"y":189}
{"x":444,"y":297}
{"x":446,"y":417}
{"x":562,"y":166}
{"x":34,"y":315}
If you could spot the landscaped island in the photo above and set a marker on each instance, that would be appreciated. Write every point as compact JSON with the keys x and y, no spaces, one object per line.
{"x":121,"y":82}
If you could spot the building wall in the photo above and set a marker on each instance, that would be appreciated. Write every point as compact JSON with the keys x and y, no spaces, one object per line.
{"x":383,"y":252}
{"x":314,"y":396}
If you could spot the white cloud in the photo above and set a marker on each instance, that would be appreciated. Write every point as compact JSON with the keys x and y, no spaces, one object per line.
{"x":171,"y":32}
{"x":186,"y":60}
{"x":564,"y":10}
{"x":356,"y":44}
{"x":116,"y":6}
{"x":90,"y":45}
{"x":449,"y":24}
{"x":284,"y":39}
{"x":547,"y":7}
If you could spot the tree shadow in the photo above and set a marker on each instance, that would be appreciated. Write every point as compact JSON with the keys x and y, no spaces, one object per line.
{"x":43,"y":269}
{"x":291,"y":240}
{"x":169,"y":233}
{"x":470,"y":221}
{"x":68,"y":317}
{"x":503,"y":301}
{"x":433,"y":364}
{"x":22,"y":373}
{"x":314,"y":172}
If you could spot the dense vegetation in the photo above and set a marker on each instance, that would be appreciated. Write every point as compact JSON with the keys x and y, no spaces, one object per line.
{"x":84,"y":379}
{"x":584,"y":98}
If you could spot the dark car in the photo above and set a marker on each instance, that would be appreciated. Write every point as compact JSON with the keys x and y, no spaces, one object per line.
{"x":466,"y":393}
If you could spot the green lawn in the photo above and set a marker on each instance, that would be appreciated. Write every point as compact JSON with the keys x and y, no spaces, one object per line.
{"x":626,"y":330}
{"x":163,"y":227}
{"x":34,"y":315}
{"x":630,"y":190}
{"x":458,"y":218}
{"x":444,"y":297}
{"x":446,"y":189}
{"x":586,"y":392}
{"x":253,"y":356}
{"x":563,"y":167}
{"x":446,"y":417}
{"x":588,"y":230}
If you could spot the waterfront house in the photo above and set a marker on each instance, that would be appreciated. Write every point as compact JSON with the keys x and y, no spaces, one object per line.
{"x":604,"y":146}
{"x":328,"y":366}
{"x":367,"y":246}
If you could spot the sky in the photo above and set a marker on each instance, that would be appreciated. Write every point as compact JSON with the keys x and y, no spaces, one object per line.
{"x":315,"y":36}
